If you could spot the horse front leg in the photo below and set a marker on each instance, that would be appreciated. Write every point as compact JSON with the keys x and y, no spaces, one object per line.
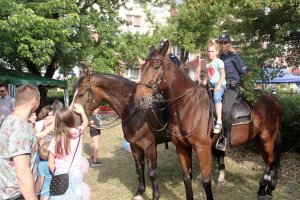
{"x":151,"y":157}
{"x":139,"y":159}
{"x":185,"y":157}
{"x":204,"y":160}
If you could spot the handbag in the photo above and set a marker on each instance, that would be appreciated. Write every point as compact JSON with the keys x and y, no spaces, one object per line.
{"x":60,"y":183}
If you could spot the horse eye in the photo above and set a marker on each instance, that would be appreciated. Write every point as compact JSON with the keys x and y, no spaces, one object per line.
{"x":80,"y":94}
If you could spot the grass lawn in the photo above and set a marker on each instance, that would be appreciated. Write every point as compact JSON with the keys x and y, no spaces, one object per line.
{"x":116,"y":179}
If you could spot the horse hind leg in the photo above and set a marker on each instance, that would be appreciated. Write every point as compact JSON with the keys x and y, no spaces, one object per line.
{"x":268,"y":180}
{"x":220,"y":155}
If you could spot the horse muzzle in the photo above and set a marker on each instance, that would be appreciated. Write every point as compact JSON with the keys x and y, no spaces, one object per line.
{"x":143,"y":102}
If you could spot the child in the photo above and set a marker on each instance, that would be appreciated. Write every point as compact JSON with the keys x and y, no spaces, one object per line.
{"x":95,"y":122}
{"x":45,"y":120}
{"x":67,"y":138}
{"x":215,"y":73}
{"x":44,"y":173}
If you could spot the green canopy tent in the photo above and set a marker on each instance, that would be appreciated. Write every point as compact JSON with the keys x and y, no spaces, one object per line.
{"x":17,"y":78}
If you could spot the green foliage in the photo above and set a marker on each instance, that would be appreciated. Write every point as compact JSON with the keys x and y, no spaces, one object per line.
{"x":196,"y":24}
{"x":290,"y":126}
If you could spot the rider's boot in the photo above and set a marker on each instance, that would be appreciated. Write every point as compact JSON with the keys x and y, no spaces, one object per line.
{"x":224,"y":140}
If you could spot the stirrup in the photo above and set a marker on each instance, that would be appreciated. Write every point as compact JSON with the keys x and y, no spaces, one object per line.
{"x":221,"y":143}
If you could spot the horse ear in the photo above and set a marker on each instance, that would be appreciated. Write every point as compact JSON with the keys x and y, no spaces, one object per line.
{"x":164,"y":49}
{"x":152,"y":49}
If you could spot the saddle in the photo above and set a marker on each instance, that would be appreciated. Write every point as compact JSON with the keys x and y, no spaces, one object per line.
{"x":240,"y":113}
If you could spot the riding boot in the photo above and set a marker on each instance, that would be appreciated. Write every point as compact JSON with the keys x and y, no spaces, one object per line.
{"x":224,"y":140}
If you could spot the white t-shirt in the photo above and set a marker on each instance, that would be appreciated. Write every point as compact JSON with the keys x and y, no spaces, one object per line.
{"x":213,"y":70}
{"x":62,"y":164}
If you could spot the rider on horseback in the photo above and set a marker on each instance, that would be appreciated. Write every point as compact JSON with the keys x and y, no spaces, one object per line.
{"x":234,"y":68}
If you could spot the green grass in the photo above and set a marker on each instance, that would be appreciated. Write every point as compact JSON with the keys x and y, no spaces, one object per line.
{"x":116,"y":179}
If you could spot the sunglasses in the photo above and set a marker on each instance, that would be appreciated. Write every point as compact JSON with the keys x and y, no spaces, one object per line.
{"x":223,"y":42}
{"x":1,"y":90}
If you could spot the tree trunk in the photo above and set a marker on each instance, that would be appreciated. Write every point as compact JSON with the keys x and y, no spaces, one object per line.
{"x":49,"y":74}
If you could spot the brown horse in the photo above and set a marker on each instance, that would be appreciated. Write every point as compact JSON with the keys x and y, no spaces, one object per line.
{"x":141,"y":130}
{"x":191,"y":124}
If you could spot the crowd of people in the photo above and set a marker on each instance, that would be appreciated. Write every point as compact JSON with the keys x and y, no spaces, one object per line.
{"x":34,"y":148}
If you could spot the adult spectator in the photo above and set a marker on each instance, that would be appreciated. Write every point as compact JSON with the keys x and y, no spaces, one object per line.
{"x":95,"y":123}
{"x":172,"y":56}
{"x":234,"y":69}
{"x":7,"y":103}
{"x":57,"y":105}
{"x":18,"y":147}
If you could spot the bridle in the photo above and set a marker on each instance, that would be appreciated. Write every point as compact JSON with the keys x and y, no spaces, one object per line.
{"x":90,"y":93}
{"x":161,"y":61}
{"x":154,"y":86}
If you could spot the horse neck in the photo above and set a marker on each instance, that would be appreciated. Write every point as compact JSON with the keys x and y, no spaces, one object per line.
{"x":179,"y":85}
{"x":117,"y":93}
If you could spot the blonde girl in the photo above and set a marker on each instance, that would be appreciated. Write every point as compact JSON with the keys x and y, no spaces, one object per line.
{"x":215,"y":74}
{"x":63,"y":147}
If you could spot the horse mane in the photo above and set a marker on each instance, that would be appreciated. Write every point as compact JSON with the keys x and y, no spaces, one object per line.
{"x":108,"y":76}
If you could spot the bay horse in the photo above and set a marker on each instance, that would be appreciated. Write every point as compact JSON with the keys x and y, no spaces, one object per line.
{"x":142,"y":130}
{"x":191,"y":123}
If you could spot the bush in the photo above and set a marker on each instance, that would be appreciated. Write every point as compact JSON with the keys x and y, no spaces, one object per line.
{"x":290,"y":126}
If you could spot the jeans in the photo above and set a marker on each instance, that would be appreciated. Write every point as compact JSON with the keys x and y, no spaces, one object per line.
{"x":218,"y":95}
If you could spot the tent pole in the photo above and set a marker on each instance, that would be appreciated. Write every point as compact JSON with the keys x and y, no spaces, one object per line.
{"x":66,"y":97}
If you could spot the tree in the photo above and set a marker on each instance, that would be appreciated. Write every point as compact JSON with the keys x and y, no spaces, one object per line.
{"x":196,"y":23}
{"x":42,"y":36}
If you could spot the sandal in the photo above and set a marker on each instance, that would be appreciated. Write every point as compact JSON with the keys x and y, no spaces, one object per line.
{"x":218,"y":128}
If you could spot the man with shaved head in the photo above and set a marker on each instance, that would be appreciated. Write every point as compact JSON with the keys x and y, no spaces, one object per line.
{"x":18,"y":147}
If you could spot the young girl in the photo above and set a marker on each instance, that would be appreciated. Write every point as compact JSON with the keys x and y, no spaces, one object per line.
{"x":63,"y":147}
{"x":44,"y":174}
{"x":45,"y":120}
{"x":215,"y":73}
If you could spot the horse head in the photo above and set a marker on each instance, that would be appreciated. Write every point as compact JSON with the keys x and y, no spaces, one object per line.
{"x":153,"y":77}
{"x":85,"y":93}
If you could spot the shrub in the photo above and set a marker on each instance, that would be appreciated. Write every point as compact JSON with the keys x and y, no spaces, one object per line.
{"x":290,"y":126}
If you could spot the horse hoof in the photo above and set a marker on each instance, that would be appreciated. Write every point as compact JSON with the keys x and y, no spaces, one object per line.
{"x":265,"y":197}
{"x":268,"y":197}
{"x":138,"y":197}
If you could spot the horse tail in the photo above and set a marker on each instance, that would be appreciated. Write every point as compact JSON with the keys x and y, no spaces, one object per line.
{"x":277,"y":152}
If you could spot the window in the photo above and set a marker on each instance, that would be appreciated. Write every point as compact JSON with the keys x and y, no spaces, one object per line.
{"x":133,"y":20}
{"x":132,"y":73}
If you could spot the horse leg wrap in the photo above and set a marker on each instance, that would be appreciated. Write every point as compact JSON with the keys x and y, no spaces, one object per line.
{"x":272,"y":183}
{"x":207,"y":187}
{"x":188,"y":187}
{"x":221,"y":177}
{"x":263,"y":182}
{"x":155,"y":188}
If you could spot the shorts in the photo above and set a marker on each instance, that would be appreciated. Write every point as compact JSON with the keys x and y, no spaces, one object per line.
{"x":94,"y":132}
{"x":218,"y":95}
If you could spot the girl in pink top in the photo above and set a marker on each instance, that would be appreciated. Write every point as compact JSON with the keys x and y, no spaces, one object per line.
{"x":62,"y":150}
